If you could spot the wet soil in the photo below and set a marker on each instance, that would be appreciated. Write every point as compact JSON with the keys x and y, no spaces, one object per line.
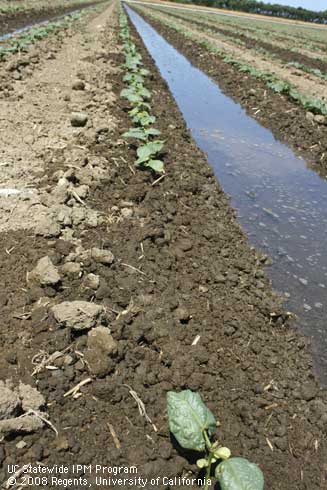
{"x":296,"y":128}
{"x":182,"y":268}
{"x":284,"y":55}
{"x":20,"y":19}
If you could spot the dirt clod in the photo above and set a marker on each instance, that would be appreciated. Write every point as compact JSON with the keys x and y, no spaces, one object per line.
{"x":45,"y":273}
{"x":19,"y":400}
{"x":102,"y":348}
{"x":26,"y":424}
{"x":71,"y":268}
{"x":78,"y":315}
{"x":182,"y":314}
{"x":9,"y":401}
{"x":102,"y":256}
{"x":79,"y":119}
{"x":30,"y":397}
{"x":78,"y":85}
{"x":309,"y":390}
{"x":92,"y":281}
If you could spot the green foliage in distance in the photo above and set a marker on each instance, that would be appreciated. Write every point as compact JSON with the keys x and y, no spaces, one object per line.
{"x":317,"y":106}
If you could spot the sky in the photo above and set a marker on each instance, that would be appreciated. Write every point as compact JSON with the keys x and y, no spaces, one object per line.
{"x":308,"y":4}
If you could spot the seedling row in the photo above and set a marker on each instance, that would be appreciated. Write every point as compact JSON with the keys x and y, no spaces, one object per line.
{"x":253,"y":44}
{"x":273,"y":82}
{"x":143,"y":133}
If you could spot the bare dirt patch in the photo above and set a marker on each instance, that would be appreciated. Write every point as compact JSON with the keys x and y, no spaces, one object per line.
{"x":39,"y":108}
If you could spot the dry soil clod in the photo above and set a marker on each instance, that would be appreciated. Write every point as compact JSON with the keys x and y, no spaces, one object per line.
{"x":79,"y":119}
{"x":78,"y":315}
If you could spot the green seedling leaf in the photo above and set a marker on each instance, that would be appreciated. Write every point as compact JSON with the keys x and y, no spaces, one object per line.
{"x":130,"y":47}
{"x":131,"y":63}
{"x":135,"y":93}
{"x":145,"y":152}
{"x":153,"y":132}
{"x":134,"y":112}
{"x":134,"y":98}
{"x":133,"y":77}
{"x":144,"y":72}
{"x":279,"y":86}
{"x":131,"y":95}
{"x":295,"y":64}
{"x":143,"y":92}
{"x":140,"y":133}
{"x":137,"y":133}
{"x":188,"y":418}
{"x":239,"y":474}
{"x":134,"y":58}
{"x":126,"y":92}
{"x":139,"y":108}
{"x":145,"y":105}
{"x":143,"y":118}
{"x":156,"y":165}
{"x":147,"y":120}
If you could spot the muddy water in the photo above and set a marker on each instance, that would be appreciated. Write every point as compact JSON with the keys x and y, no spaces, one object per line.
{"x":281,"y":204}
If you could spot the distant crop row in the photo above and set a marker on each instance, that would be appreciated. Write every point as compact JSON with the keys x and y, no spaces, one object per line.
{"x":9,"y":9}
{"x":269,"y":51}
{"x":28,"y":5}
{"x":289,"y":35}
{"x":299,"y":31}
{"x":34,"y":34}
{"x":274,"y":83}
{"x":293,"y":40}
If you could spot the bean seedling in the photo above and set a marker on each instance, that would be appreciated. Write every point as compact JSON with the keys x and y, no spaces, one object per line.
{"x":193,"y":426}
{"x":138,"y":97}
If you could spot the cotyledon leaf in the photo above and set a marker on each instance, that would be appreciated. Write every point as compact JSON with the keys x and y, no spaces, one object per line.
{"x":133,"y":77}
{"x":156,"y":165}
{"x":153,"y":132}
{"x":239,"y":474}
{"x":131,"y":96}
{"x":188,"y":417}
{"x":137,"y":133}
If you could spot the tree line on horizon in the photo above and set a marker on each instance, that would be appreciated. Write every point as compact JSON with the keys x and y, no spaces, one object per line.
{"x":272,"y":9}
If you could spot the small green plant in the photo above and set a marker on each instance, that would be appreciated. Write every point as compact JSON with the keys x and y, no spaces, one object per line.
{"x":147,"y":155}
{"x":138,"y":97}
{"x":193,"y":426}
{"x":279,"y":86}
